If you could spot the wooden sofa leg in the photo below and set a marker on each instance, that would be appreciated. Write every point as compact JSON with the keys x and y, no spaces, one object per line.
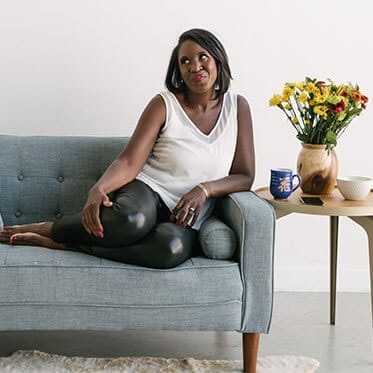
{"x":250,"y":345}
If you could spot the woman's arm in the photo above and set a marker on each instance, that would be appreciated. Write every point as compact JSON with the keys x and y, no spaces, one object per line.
{"x":126,"y":166}
{"x":241,"y":176}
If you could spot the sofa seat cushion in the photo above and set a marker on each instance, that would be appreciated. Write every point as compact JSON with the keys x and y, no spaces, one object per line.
{"x":30,"y":274}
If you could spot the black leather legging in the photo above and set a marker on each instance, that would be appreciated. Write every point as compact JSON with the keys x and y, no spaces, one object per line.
{"x":137,"y":231}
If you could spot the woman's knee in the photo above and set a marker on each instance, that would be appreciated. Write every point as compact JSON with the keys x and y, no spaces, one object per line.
{"x":174,"y":244}
{"x":132,"y":216}
{"x":126,"y":222}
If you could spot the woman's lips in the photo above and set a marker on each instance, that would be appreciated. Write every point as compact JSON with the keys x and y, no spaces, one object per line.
{"x":198,"y":78}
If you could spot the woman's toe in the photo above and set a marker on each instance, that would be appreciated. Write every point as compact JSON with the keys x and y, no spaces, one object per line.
{"x":14,"y":239}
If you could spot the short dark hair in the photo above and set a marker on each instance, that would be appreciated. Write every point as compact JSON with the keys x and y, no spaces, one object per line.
{"x":212,"y":45}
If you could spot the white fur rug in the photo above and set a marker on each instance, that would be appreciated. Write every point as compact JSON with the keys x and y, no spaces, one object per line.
{"x":40,"y":362}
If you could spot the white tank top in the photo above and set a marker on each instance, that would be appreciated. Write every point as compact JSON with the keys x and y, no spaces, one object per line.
{"x":183,"y":156}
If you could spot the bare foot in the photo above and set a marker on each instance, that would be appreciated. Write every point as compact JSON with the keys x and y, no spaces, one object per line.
{"x":35,"y":239}
{"x":43,"y":229}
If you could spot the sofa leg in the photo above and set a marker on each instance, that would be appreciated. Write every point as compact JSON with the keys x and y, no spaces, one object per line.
{"x":250,"y":345}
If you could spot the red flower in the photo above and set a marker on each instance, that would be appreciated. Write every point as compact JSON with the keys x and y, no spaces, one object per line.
{"x":338,"y":107}
{"x":365,"y":100}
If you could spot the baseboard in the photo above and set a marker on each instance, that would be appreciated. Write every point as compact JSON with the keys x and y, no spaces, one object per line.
{"x":308,"y":279}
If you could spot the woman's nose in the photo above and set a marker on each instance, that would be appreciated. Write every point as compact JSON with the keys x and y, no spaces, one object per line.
{"x":196,"y":66}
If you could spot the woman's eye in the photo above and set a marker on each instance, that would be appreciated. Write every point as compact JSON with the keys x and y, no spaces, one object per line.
{"x":184,"y":61}
{"x":203,"y":57}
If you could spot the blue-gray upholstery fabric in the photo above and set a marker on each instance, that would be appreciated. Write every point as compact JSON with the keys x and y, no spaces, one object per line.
{"x":34,"y":278}
{"x":217,"y":240}
{"x":254,"y":225}
{"x":45,"y":178}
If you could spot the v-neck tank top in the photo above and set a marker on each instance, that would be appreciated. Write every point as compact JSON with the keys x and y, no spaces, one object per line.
{"x":183,"y":156}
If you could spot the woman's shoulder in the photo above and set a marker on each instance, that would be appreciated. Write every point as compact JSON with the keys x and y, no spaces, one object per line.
{"x":242,"y":102}
{"x":156,"y":106}
{"x":239,"y":100}
{"x":157,"y":102}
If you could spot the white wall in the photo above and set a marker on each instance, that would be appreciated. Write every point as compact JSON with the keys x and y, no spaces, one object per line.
{"x":88,"y":67}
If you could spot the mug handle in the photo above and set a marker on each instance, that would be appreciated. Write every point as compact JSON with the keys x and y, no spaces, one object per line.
{"x":299,"y":181}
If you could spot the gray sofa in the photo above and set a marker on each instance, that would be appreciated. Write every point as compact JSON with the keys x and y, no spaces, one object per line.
{"x":47,"y":177}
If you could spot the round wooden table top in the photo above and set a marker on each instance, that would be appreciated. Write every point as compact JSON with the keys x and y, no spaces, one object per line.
{"x":334,"y":204}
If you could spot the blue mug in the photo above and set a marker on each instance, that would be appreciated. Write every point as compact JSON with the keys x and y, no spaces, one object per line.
{"x":281,"y":185}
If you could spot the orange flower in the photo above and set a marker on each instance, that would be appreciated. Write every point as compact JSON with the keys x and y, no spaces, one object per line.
{"x":356,"y":95}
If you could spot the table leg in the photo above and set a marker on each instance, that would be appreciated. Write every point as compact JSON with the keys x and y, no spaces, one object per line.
{"x":333,"y":265}
{"x":367,"y":223}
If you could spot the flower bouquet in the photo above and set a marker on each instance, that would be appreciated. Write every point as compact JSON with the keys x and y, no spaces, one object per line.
{"x":320,"y":111}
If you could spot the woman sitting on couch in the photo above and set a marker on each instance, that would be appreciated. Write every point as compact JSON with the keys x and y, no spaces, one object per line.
{"x":192,"y":143}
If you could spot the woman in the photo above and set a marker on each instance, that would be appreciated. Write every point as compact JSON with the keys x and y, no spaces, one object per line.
{"x":191,"y":144}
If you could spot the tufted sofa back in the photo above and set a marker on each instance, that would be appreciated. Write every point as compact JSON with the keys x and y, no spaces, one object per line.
{"x":46,"y":177}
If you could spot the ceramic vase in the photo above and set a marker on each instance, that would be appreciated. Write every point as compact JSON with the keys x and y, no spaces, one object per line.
{"x":317,"y":168}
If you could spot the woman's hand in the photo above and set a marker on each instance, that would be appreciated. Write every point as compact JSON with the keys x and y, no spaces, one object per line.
{"x":189,"y":207}
{"x":91,"y":212}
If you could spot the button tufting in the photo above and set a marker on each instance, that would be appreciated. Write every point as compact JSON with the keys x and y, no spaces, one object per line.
{"x":59,"y":215}
{"x":60,"y":179}
{"x":20,"y":177}
{"x":18,"y":214}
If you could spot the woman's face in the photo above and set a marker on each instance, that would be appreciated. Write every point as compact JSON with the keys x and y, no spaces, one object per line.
{"x":197,"y":67}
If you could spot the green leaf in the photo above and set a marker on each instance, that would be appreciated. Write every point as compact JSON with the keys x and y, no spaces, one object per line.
{"x":331,"y":137}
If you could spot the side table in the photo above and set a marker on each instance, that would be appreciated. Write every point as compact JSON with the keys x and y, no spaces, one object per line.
{"x":361,"y":212}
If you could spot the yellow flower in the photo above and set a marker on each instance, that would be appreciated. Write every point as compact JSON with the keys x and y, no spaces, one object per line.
{"x":287,"y":106}
{"x":319,"y":99}
{"x":287,"y":92}
{"x":340,"y":90}
{"x":294,"y":120}
{"x":303,"y":97}
{"x":275,"y":100}
{"x":321,"y":110}
{"x":316,"y":90}
{"x":299,"y":85}
{"x":310,"y":87}
{"x":325,"y":90}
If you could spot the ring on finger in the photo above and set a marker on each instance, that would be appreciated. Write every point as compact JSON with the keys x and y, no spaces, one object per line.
{"x":192,"y":210}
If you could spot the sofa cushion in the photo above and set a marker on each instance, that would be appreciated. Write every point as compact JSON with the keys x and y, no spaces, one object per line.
{"x":31,"y":274}
{"x":54,"y":289}
{"x":217,"y":240}
{"x":46,"y":177}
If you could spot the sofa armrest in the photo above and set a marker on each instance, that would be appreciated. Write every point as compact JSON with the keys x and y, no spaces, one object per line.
{"x":253,"y":221}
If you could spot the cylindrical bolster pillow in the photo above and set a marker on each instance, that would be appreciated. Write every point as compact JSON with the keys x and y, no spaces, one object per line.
{"x":217,"y":240}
